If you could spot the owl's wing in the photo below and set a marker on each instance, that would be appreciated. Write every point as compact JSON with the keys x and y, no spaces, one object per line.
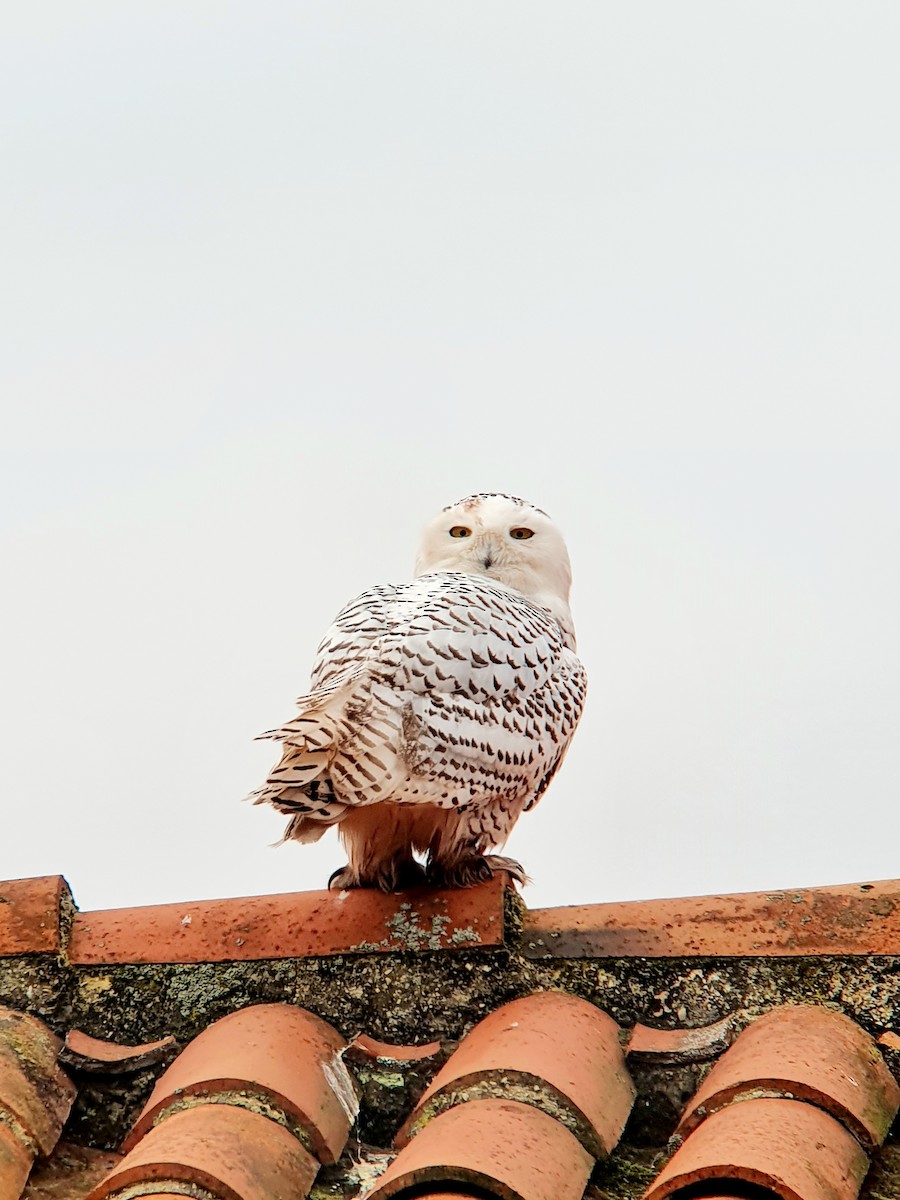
{"x":487,"y":692}
{"x":449,"y":690}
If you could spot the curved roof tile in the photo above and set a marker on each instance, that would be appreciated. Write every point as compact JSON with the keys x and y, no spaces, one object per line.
{"x":807,"y":1053}
{"x":795,"y":1151}
{"x":549,"y":1049}
{"x":272,"y":1054}
{"x":509,"y":1150}
{"x":232,"y":1152}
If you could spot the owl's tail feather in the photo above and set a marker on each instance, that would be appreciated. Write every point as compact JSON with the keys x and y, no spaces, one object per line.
{"x":307,"y":828}
{"x":312,"y":807}
{"x":299,"y":785}
{"x":314,"y":732}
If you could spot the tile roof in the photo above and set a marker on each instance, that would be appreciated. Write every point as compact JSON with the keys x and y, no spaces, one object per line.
{"x":438,"y":1043}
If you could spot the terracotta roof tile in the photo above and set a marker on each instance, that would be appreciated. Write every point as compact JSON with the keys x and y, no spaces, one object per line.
{"x":792,"y":1149}
{"x":15,"y":1163}
{"x":679,"y":1046}
{"x":364,"y":1048}
{"x":447,"y":1196}
{"x":232,"y":1152}
{"x":298,"y":925}
{"x":275,"y":1055}
{"x":550,"y":1049}
{"x":161,"y":1195}
{"x":861,"y":918}
{"x":33,"y":1089}
{"x":811,"y":1054}
{"x":30,"y":915}
{"x":69,"y":1174}
{"x":852,"y":919}
{"x":508,"y":1150}
{"x":110,"y":1058}
{"x":525,"y":1100}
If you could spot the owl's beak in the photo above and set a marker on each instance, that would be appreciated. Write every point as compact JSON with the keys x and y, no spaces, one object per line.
{"x":488,"y":551}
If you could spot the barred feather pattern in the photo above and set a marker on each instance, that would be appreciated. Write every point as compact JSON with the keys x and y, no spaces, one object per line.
{"x":450,"y":692}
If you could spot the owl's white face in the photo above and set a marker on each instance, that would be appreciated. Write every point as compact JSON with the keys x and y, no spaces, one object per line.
{"x":504,"y":539}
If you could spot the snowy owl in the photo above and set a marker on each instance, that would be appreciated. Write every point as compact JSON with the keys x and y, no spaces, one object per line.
{"x":439,"y":709}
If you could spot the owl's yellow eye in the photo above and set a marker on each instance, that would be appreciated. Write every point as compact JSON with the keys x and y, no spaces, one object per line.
{"x":460,"y":531}
{"x":520,"y":533}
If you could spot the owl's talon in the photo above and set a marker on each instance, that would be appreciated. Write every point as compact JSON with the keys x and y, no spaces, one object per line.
{"x":408,"y":874}
{"x":475,"y":869}
{"x":390,"y":877}
{"x":342,"y":879}
{"x":464,"y":873}
{"x":497,"y":862}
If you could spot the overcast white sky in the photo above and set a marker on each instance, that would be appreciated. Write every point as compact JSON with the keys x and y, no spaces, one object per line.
{"x":281,"y":279}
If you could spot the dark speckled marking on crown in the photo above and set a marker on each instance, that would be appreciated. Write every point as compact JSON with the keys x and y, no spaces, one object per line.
{"x":469,"y":501}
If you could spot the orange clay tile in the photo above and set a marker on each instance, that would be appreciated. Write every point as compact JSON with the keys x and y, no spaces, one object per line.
{"x":111,"y":1058}
{"x":232,"y":1152}
{"x":30,"y":915}
{"x":295,"y":925}
{"x":69,"y":1173}
{"x":277,"y":1053}
{"x":862,"y":918}
{"x":795,"y":1150}
{"x":557,"y":1051}
{"x":674,"y":1047}
{"x":32,"y":1087}
{"x":809,"y":1053}
{"x":508,"y":1150}
{"x":15,"y":1163}
{"x":363,"y":1048}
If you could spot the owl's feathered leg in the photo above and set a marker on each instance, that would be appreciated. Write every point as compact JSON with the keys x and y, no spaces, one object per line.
{"x":379,"y":845}
{"x":456,"y":851}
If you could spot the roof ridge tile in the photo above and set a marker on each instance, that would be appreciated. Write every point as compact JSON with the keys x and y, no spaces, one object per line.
{"x":295,"y":925}
{"x":34,"y":915}
{"x":847,"y":919}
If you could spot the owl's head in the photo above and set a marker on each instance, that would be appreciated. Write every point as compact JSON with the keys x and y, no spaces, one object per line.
{"x":505,"y":539}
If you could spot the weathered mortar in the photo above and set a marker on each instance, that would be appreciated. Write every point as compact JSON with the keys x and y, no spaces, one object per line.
{"x":421,"y":997}
{"x":36,"y":984}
